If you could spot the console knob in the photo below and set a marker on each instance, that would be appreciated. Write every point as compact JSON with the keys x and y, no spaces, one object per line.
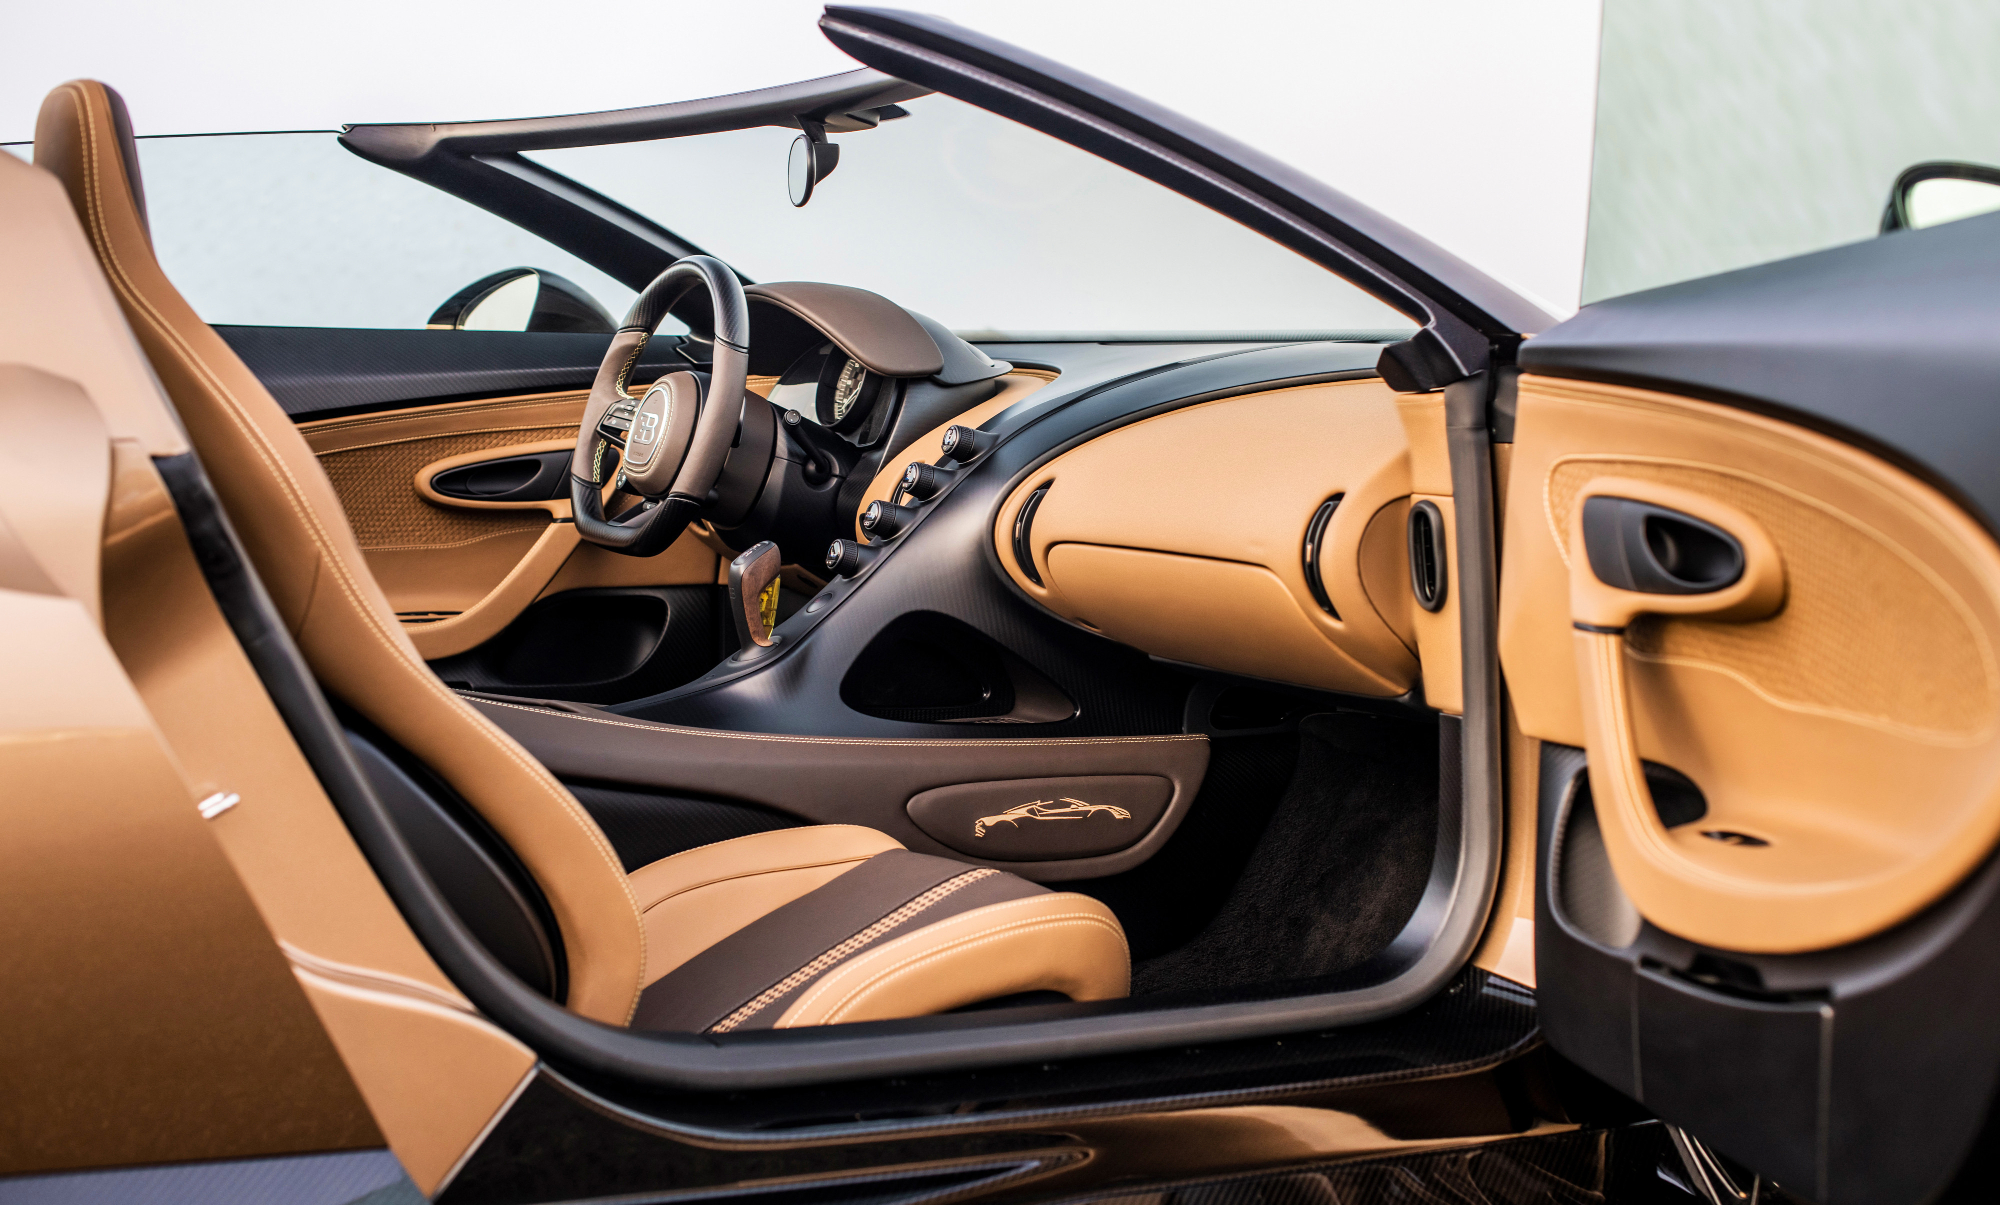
{"x":885,"y":519}
{"x":847,"y":558}
{"x":923,"y":481}
{"x":961,"y":444}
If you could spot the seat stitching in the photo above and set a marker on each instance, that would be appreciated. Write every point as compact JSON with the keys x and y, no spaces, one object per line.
{"x":854,"y":997}
{"x":294,"y":498}
{"x":837,"y":953}
{"x":899,"y":742}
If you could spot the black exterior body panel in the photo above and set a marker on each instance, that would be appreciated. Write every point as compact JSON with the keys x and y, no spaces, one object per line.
{"x":1893,"y":344}
{"x":1861,"y":1074}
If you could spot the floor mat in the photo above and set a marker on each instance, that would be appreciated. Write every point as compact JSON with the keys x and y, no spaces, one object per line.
{"x":1338,"y":870}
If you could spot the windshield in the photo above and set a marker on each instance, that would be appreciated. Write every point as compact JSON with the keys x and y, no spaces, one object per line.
{"x":984,"y":225}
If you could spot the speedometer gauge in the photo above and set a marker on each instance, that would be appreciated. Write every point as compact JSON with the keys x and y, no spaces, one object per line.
{"x":847,"y":394}
{"x":847,"y":390}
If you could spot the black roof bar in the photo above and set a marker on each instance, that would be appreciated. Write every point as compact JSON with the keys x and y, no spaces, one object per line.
{"x":481,"y":161}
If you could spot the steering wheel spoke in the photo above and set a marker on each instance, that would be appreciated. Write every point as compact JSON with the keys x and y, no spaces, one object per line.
{"x":616,"y":425}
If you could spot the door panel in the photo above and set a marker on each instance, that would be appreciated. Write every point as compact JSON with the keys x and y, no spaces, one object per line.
{"x":1852,"y":733}
{"x":1761,"y":910}
{"x":459,"y":571}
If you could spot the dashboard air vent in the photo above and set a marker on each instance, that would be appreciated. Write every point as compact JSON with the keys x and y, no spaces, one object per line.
{"x":1316,"y":536}
{"x":1024,"y":523}
{"x":1427,"y":545}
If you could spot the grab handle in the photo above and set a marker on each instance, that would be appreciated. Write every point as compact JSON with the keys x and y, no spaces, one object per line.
{"x":1637,"y":548}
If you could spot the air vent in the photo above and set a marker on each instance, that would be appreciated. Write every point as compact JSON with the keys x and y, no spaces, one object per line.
{"x":1024,"y":523}
{"x":1316,"y":536}
{"x":1427,"y":545}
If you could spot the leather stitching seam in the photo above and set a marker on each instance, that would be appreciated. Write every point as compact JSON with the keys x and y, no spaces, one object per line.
{"x":852,"y":945}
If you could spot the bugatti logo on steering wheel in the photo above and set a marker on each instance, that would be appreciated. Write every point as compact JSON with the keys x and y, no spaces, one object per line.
{"x":648,"y":428}
{"x":1042,"y":809}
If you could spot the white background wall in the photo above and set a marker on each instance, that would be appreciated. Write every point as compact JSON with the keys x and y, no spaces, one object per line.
{"x":1733,"y":132}
{"x":1467,"y":120}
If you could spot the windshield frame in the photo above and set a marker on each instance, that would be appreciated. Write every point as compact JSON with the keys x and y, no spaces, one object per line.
{"x":1461,"y":312}
{"x":482,"y":161}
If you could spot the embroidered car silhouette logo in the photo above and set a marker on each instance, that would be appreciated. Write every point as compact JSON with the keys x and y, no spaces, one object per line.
{"x":1042,"y":809}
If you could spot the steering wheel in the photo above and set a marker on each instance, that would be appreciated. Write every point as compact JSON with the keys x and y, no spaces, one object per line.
{"x":672,"y":442}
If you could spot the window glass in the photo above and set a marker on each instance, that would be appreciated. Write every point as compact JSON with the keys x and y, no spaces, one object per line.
{"x":1732,"y":133}
{"x":981,"y":223}
{"x":296,"y":230}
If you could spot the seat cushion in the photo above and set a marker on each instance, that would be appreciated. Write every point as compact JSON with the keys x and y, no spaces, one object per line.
{"x":692,"y":900}
{"x":897,"y":934}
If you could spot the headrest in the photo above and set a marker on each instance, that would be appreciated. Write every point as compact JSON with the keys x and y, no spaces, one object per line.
{"x":84,"y":134}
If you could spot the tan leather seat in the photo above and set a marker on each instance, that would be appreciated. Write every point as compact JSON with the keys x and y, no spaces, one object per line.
{"x":718,"y":938}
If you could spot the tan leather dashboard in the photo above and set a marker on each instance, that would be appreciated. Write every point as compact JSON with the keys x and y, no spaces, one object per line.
{"x":1182,"y":535}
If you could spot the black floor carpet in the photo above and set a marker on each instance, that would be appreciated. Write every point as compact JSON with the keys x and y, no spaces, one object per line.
{"x":1339,"y":867}
{"x":1170,"y":897}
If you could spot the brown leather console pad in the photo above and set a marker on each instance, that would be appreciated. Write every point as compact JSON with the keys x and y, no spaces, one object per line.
{"x":845,"y":780}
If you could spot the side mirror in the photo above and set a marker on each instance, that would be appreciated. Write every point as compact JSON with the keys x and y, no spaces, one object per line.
{"x":523,"y":299}
{"x":1933,"y":193}
{"x":813,"y":159}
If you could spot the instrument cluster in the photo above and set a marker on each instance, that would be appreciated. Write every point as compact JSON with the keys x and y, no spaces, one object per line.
{"x":834,"y":390}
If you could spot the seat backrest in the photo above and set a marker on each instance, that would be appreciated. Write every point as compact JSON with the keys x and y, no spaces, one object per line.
{"x":290,"y":520}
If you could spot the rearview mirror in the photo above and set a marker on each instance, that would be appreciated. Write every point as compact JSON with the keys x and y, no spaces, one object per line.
{"x":813,"y":159}
{"x":523,"y":299}
{"x":1933,"y":193}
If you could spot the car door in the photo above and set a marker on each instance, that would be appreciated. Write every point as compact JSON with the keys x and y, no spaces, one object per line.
{"x":1750,"y":598}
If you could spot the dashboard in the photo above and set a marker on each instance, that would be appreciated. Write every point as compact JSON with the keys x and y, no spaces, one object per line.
{"x":1215,"y":535}
{"x":1186,"y":526}
{"x":1249,"y":510}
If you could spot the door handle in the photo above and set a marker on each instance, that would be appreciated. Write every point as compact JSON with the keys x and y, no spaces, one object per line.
{"x":1638,"y":548}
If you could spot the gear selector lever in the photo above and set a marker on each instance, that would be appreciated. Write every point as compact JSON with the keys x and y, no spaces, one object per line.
{"x":753,"y":597}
